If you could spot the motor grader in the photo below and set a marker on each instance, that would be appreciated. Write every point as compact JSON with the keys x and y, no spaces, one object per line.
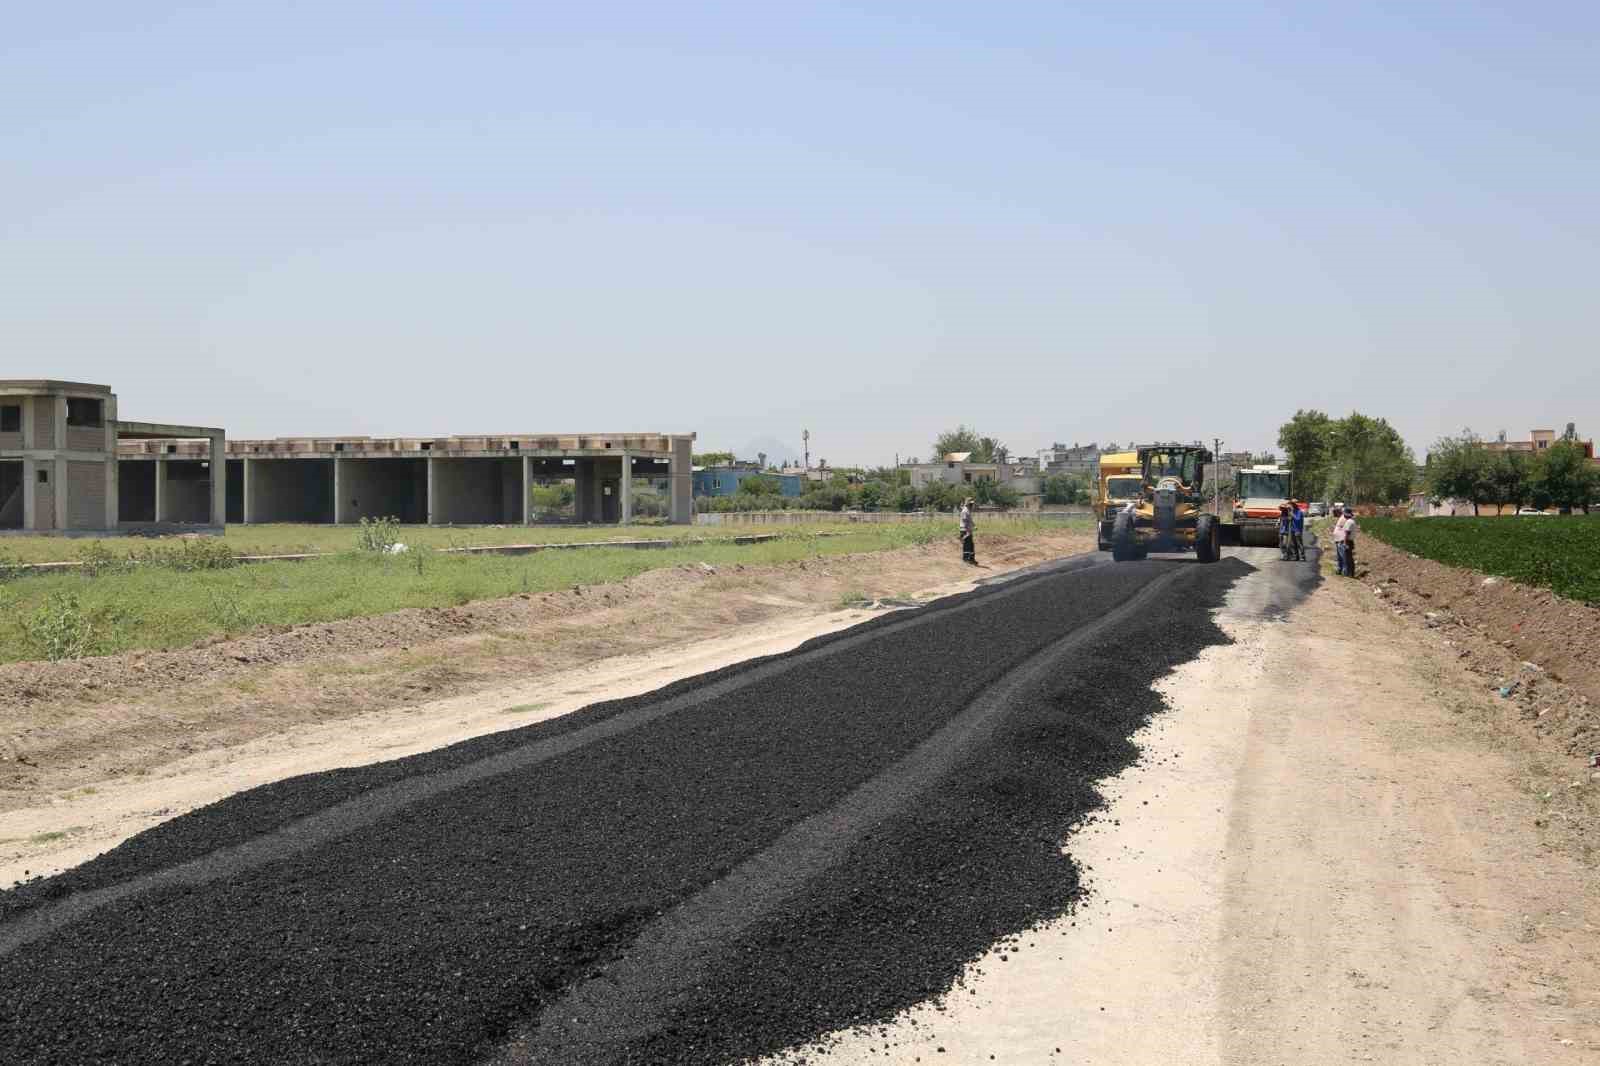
{"x":1170,"y":513}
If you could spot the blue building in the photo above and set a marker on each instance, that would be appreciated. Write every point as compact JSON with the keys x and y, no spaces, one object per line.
{"x":724,"y":480}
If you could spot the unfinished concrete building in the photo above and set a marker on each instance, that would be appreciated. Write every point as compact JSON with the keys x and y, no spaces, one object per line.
{"x":60,"y":445}
{"x":483,"y":480}
{"x":69,"y":464}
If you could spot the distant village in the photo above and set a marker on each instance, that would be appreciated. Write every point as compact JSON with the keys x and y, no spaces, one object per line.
{"x":1060,"y":477}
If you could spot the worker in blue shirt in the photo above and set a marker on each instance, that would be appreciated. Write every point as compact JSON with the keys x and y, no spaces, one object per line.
{"x":1297,"y":530}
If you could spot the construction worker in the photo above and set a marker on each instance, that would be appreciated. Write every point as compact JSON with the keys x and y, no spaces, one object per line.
{"x":1345,"y":530}
{"x":1285,"y":532}
{"x":1339,"y":546}
{"x":969,"y":553}
{"x":1297,"y":531}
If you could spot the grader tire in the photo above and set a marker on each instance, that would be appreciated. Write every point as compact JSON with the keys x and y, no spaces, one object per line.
{"x":1206,"y":548}
{"x":1124,"y":544}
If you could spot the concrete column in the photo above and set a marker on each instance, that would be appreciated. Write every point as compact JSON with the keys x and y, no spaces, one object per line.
{"x":625,"y":486}
{"x":161,"y":490}
{"x":113,"y":466}
{"x":219,"y":480}
{"x":341,"y":510}
{"x":27,"y":425}
{"x":527,"y":490}
{"x":249,"y":492}
{"x":60,"y":475}
{"x":680,"y":478}
{"x":433,"y":508}
{"x":113,"y":504}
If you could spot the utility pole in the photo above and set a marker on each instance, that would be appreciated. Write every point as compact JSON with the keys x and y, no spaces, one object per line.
{"x":1216,"y":466}
{"x":805,"y":437}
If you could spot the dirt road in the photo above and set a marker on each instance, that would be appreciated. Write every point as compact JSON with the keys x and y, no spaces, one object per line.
{"x":1333,"y":847}
{"x":1337,"y":847}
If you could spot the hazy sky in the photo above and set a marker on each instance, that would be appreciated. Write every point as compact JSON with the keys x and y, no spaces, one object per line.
{"x":1051,"y":220}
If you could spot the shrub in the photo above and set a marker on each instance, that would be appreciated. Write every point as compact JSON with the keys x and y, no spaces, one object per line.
{"x":60,"y":628}
{"x":378,"y":535}
{"x":97,"y":560}
{"x":189,"y":554}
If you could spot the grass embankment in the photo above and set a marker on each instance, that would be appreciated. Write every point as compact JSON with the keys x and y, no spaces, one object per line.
{"x":70,"y":614}
{"x":295,"y":539}
{"x":1561,"y":553}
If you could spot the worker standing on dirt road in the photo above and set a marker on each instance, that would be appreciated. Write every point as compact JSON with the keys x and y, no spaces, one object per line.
{"x":969,"y":553}
{"x":1338,"y":540}
{"x":1348,"y":524}
{"x":1297,"y":530}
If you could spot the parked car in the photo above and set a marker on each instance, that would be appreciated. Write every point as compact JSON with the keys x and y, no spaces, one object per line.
{"x":1530,"y":510}
{"x":1317,"y":509}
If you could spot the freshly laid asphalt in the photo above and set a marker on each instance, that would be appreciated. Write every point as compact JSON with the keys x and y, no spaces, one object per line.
{"x":736,"y":864}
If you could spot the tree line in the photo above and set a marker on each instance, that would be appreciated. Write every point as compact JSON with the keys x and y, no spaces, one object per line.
{"x":1356,"y":459}
{"x":1463,"y":468}
{"x":875,"y":489}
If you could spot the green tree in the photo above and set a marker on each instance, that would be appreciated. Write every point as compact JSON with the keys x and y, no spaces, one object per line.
{"x":990,"y":450}
{"x":961,"y":439}
{"x":1064,"y":488}
{"x":1566,"y":477}
{"x":1458,"y":468}
{"x":1307,"y":438}
{"x":996,"y":494}
{"x":1511,"y":476}
{"x":711,"y":458}
{"x":1369,"y":461}
{"x":760,"y":485}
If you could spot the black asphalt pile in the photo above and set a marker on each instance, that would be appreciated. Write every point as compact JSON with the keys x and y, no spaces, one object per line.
{"x":975,"y":863}
{"x":439,"y":922}
{"x":248,"y":815}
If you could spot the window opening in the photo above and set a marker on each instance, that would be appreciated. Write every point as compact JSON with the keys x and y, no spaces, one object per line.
{"x":84,"y":413}
{"x":11,"y":418}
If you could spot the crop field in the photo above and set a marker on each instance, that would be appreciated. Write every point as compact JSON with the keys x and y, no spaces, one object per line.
{"x":178,"y":597}
{"x":1561,"y":553}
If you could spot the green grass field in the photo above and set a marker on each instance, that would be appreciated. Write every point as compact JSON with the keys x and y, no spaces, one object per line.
{"x":1561,"y":553}
{"x":291,"y":539}
{"x":69,"y":614}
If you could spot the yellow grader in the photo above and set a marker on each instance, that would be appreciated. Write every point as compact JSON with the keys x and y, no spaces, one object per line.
{"x":1170,"y":513}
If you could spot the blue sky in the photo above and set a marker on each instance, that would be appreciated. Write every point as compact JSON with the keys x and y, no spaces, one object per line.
{"x":1054,"y":221}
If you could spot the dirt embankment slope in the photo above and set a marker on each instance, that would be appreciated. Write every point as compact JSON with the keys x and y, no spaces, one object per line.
{"x":1535,"y":646}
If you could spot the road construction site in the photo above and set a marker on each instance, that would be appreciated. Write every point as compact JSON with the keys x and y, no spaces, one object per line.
{"x":1084,"y":811}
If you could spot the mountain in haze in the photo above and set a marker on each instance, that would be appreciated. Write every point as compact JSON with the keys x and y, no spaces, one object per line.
{"x":778,"y":453}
